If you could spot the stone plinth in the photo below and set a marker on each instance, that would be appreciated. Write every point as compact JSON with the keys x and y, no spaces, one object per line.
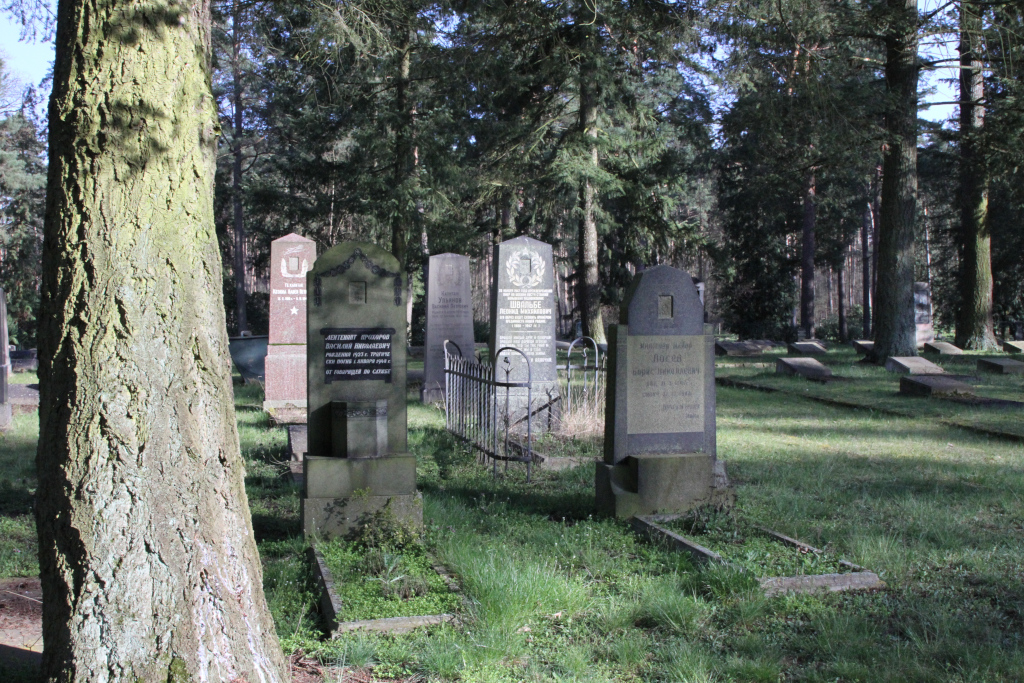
{"x":912,"y":365}
{"x":357,"y":460}
{"x":804,"y":367}
{"x":660,"y":453}
{"x":1013,"y":346}
{"x":863,"y":346}
{"x":726,"y":348}
{"x":523,"y":314}
{"x":449,"y":317}
{"x":291,"y":257}
{"x":1001,"y":366}
{"x":806,"y":348}
{"x":942,"y":348}
{"x":934,"y":385}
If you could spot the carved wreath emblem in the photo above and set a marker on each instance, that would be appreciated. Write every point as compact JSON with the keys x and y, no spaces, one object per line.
{"x":525,"y":267}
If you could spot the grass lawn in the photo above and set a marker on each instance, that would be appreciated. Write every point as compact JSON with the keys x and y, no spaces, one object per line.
{"x":558,"y":595}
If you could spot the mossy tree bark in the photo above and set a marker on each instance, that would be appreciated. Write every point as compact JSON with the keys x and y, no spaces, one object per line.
{"x":974,"y":326}
{"x":895,"y":331}
{"x":149,"y":565}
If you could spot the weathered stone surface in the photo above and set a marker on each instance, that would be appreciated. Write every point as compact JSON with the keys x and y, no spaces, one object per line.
{"x":942,"y":348}
{"x":1002,"y":366}
{"x":863,"y":346}
{"x":934,"y":385}
{"x":660,"y":453}
{"x":449,"y":316}
{"x":804,"y":367}
{"x":291,"y":257}
{"x":913,"y":365}
{"x":828,"y":583}
{"x":727,"y":348}
{"x":523,"y":314}
{"x":1013,"y":346}
{"x":356,"y":378}
{"x":806,"y":348}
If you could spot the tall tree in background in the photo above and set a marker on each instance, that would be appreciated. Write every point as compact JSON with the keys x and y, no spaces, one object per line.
{"x":974,"y":325}
{"x":895,"y":331}
{"x":237,"y":135}
{"x":148,"y":561}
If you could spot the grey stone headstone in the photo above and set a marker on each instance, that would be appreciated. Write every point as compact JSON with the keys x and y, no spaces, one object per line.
{"x":449,"y":316}
{"x":863,"y":346}
{"x":660,"y":440}
{"x":942,"y":348}
{"x":523,"y":312}
{"x":1002,"y":366}
{"x":912,"y":365}
{"x":806,"y":348}
{"x":726,"y":348}
{"x":804,"y":367}
{"x":933,"y":385}
{"x":1013,"y":347}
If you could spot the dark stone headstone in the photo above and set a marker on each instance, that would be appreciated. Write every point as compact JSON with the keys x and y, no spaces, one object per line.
{"x":523,"y":315}
{"x":942,"y":348}
{"x":923,"y":313}
{"x":449,"y":316}
{"x":912,"y":365}
{"x":804,"y":367}
{"x":660,"y":414}
{"x":291,"y":257}
{"x":1013,"y":346}
{"x":933,"y":385}
{"x":806,"y":348}
{"x":1001,"y":366}
{"x":740,"y":349}
{"x":863,"y":346}
{"x":5,"y":365}
{"x":357,"y":461}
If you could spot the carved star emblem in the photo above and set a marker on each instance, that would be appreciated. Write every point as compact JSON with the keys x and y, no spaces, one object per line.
{"x":295,"y":311}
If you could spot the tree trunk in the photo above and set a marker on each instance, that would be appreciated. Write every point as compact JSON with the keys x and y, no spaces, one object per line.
{"x":844,"y":330}
{"x":974,"y":327}
{"x":403,"y":151}
{"x":148,"y":562}
{"x":807,"y":260}
{"x":587,"y":273}
{"x":236,"y":173}
{"x":865,"y":256}
{"x":895,"y":331}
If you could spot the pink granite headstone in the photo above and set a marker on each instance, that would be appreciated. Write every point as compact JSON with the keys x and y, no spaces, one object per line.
{"x":291,"y":257}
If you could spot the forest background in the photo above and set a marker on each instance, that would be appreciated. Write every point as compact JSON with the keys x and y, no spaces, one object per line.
{"x":741,"y":141}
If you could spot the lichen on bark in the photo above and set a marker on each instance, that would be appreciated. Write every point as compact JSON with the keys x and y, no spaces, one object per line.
{"x":148,"y":560}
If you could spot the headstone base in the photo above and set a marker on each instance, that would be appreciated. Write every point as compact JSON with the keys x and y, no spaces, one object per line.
{"x":432,"y":395}
{"x":336,"y":517}
{"x":286,"y":412}
{"x":659,"y":484}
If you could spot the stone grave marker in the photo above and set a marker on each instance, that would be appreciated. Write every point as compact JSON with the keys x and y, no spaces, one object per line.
{"x":942,"y":348}
{"x":810,"y":368}
{"x":863,"y":346}
{"x":357,"y":461}
{"x":660,"y":453}
{"x":291,"y":257}
{"x":1013,"y":346}
{"x":923,"y":313}
{"x":5,"y":366}
{"x":1001,"y":366}
{"x":933,"y":385}
{"x":806,"y":348}
{"x":449,"y":316}
{"x":523,"y":316}
{"x":727,"y":348}
{"x":912,"y":365}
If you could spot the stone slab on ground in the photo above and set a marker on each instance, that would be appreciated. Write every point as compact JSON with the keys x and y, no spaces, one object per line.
{"x":829,"y":583}
{"x":728,"y":348}
{"x":863,"y":346}
{"x":804,"y":367}
{"x":912,"y":365}
{"x":933,"y":385}
{"x":21,"y":623}
{"x":942,"y":348}
{"x":1013,"y":346}
{"x":806,"y":348}
{"x":1001,"y":366}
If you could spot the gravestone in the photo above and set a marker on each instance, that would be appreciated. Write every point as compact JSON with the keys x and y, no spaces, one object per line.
{"x":863,"y":346}
{"x":804,"y":367}
{"x":449,"y":316}
{"x":1013,"y":347}
{"x":806,"y":348}
{"x":660,"y":454}
{"x":523,"y":317}
{"x":357,"y":461}
{"x":1001,"y":366}
{"x":912,"y":365}
{"x":923,"y":313}
{"x":741,"y":349}
{"x":933,"y":385}
{"x":5,"y":366}
{"x":291,"y":257}
{"x":942,"y":348}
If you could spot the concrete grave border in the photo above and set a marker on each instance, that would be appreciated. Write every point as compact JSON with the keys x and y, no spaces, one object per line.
{"x":859,"y":578}
{"x":330,"y":604}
